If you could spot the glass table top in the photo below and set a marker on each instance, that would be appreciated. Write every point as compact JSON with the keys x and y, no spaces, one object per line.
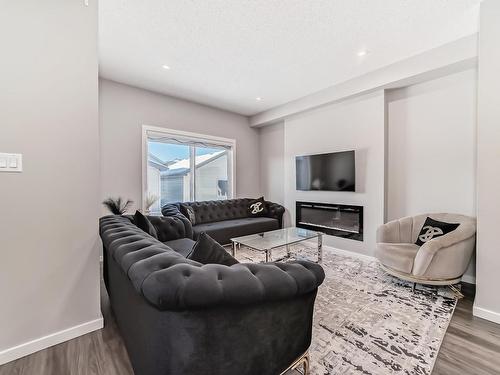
{"x":276,"y":238}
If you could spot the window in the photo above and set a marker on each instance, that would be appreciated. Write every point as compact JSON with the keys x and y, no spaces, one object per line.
{"x":182,"y":166}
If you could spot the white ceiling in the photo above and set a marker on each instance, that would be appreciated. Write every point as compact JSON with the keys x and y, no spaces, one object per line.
{"x":225,"y":53}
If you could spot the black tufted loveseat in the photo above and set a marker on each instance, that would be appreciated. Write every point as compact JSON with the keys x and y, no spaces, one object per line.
{"x":226,"y":219}
{"x":180,"y":317}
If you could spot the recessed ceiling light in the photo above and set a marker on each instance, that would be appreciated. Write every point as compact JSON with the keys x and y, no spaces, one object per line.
{"x":165,"y":66}
{"x":258,"y":98}
{"x":362,"y":53}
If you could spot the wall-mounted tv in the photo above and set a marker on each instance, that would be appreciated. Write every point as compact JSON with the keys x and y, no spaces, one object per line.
{"x":331,"y":172}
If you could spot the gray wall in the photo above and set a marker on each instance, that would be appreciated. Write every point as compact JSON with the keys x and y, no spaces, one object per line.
{"x":49,"y":271}
{"x":272,"y":163}
{"x":487,"y":303}
{"x":124,"y":109}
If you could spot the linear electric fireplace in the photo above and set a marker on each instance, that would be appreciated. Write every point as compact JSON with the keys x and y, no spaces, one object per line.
{"x":335,"y":219}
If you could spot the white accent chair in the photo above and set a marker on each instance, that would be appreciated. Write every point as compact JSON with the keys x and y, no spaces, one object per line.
{"x":440,"y":261}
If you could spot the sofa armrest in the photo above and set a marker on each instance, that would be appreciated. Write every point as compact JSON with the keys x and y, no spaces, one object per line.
{"x":187,"y":286}
{"x":170,"y":228}
{"x":430,"y":248}
{"x":172,"y":210}
{"x":275,"y":211}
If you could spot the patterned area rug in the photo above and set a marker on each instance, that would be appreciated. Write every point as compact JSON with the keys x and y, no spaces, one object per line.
{"x":367,"y":322}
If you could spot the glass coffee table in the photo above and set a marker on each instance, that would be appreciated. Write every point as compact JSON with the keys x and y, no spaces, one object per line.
{"x":267,"y":241}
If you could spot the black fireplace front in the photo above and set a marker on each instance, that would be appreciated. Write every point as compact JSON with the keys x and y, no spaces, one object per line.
{"x":334,"y":219}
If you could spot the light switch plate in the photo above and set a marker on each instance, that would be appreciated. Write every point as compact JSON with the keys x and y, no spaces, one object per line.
{"x":11,"y":162}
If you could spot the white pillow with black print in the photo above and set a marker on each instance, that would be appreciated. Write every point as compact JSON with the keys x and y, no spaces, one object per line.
{"x":257,"y":207}
{"x":432,"y":229}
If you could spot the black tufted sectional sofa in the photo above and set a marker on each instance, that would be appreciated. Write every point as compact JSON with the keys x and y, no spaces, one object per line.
{"x":179,"y":317}
{"x":226,"y":219}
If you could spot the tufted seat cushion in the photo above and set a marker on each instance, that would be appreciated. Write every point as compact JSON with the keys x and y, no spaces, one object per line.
{"x":223,"y":231}
{"x":169,"y":281}
{"x":182,"y":245}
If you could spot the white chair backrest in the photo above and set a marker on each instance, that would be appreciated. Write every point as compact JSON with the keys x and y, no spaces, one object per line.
{"x":418,"y":221}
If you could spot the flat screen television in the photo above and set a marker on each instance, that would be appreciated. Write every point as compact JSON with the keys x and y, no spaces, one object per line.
{"x":331,"y":172}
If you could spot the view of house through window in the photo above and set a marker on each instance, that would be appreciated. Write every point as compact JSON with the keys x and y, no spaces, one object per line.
{"x":180,"y":169}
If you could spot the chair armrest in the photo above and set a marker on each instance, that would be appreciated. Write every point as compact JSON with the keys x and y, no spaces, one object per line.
{"x":388,"y":232}
{"x":275,"y":211}
{"x":427,"y":251}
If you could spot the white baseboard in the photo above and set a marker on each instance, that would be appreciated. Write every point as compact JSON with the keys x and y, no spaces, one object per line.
{"x":351,"y":253}
{"x":469,"y":279}
{"x":342,"y":251}
{"x":44,"y":342}
{"x":492,"y":316}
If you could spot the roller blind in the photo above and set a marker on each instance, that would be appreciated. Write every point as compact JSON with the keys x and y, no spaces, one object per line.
{"x":187,"y":141}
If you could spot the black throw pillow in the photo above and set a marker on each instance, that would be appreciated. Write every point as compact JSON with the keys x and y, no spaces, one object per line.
{"x":257,"y":207}
{"x":188,"y":211}
{"x":208,"y":251}
{"x":143,"y":223}
{"x":432,"y":229}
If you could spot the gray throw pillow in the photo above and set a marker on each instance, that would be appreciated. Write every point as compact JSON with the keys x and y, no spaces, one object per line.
{"x":188,"y":211}
{"x":208,"y":251}
{"x":143,"y":223}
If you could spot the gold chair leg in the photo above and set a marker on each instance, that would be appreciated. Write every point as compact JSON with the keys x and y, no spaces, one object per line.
{"x":306,"y":363}
{"x":302,"y":361}
{"x":458,"y":293}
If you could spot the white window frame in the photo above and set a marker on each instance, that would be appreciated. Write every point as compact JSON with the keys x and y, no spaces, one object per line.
{"x":192,"y":136}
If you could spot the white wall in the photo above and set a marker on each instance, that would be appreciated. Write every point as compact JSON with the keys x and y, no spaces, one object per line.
{"x":124,"y":109}
{"x":487,"y":303}
{"x":354,"y":124}
{"x":431,"y":147}
{"x":272,"y":163}
{"x":49,"y":271}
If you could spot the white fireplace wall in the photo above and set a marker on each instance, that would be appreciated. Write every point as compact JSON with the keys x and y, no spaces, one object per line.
{"x":442,"y":108}
{"x":354,"y":124}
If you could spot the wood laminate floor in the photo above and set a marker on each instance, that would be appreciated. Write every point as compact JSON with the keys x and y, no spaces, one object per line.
{"x":471,"y":347}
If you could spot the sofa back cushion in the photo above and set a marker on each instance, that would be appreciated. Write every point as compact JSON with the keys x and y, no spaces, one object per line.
{"x":211,"y":211}
{"x":143,"y":223}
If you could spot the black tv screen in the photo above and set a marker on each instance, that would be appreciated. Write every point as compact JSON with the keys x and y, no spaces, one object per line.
{"x":332,"y":172}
